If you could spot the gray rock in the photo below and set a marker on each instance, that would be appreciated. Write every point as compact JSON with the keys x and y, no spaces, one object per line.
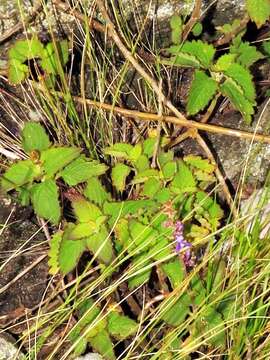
{"x":8,"y":351}
{"x":90,"y":356}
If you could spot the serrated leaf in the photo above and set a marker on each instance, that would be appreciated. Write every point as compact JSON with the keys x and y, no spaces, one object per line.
{"x":142,"y":163}
{"x":184,"y":180}
{"x":148,"y":146}
{"x":229,"y":28}
{"x":243,"y":78}
{"x":53,"y":253}
{"x":54,"y":57}
{"x":183,"y":59}
{"x":199,"y":163}
{"x":135,"y":153}
{"x":203,"y":52}
{"x":80,"y":170}
{"x":145,"y":175}
{"x":151,"y":186}
{"x":231,"y":90}
{"x":101,"y":245}
{"x":176,"y":24}
{"x":119,"y":175}
{"x":120,"y":326}
{"x":142,"y":234}
{"x":168,"y":170}
{"x":69,"y":253}
{"x":17,"y":71}
{"x":34,"y":137}
{"x":44,"y":197}
{"x":161,"y":250}
{"x":82,"y":230}
{"x":56,"y":158}
{"x":26,"y":49}
{"x":177,"y":311}
{"x":95,"y":192}
{"x":139,"y":264}
{"x":258,"y":10}
{"x":165,"y":157}
{"x":224,"y":62}
{"x":175,"y":272}
{"x":103,"y":345}
{"x":121,"y":231}
{"x":18,"y":174}
{"x":163,"y":195}
{"x":203,"y":89}
{"x":246,"y":54}
{"x":85,"y":211}
{"x":119,"y":150}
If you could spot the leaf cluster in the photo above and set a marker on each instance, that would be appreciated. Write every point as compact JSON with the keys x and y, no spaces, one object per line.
{"x":50,"y":58}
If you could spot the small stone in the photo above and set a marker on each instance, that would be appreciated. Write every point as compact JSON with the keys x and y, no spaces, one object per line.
{"x":8,"y":351}
{"x":90,"y":356}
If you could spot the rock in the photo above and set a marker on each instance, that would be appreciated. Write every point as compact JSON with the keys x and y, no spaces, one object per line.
{"x":90,"y":356}
{"x":8,"y":351}
{"x":219,"y":13}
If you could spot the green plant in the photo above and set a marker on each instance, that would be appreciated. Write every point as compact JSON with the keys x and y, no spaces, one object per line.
{"x":50,"y":57}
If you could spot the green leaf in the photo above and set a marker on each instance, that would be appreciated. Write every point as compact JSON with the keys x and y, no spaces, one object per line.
{"x":266,"y":48}
{"x":161,"y":250}
{"x":163,"y":195}
{"x":135,"y":153}
{"x":54,"y":55}
{"x":121,"y":231}
{"x":17,"y":71}
{"x":229,"y":28}
{"x":82,"y":230}
{"x":24,"y":196}
{"x":184,"y":180}
{"x":258,"y":10}
{"x":56,"y":158}
{"x":169,"y":170}
{"x":80,"y":170}
{"x":211,"y":324}
{"x":142,"y":235}
{"x":95,"y":192}
{"x":34,"y":137}
{"x":119,"y":175}
{"x":139,"y":264}
{"x":69,"y":252}
{"x":120,"y":326}
{"x":224,"y":62}
{"x":231,"y":90}
{"x":176,"y":24}
{"x":142,"y":163}
{"x":151,"y":186}
{"x":148,"y":146}
{"x":145,"y":175}
{"x":203,"y":89}
{"x":18,"y":174}
{"x":175,"y":272}
{"x":103,"y":345}
{"x":246,"y":54}
{"x":199,"y":163}
{"x":119,"y":150}
{"x":44,"y":197}
{"x":197,"y":29}
{"x":203,"y":52}
{"x":177,"y":311}
{"x":243,"y":78}
{"x":101,"y":245}
{"x":85,"y":211}
{"x":53,"y":253}
{"x":26,"y":49}
{"x":183,"y":59}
